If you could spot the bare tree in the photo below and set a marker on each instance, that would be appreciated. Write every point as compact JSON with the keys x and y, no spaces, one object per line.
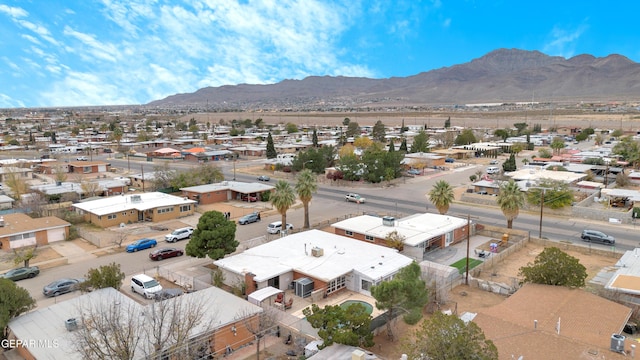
{"x":90,"y":189}
{"x":266,"y":322}
{"x":120,"y":237}
{"x":24,"y":255}
{"x":16,"y":184}
{"x":109,"y":331}
{"x":59,"y":174}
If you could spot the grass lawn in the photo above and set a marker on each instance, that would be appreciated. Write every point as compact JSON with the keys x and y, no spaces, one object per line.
{"x":460,"y":264}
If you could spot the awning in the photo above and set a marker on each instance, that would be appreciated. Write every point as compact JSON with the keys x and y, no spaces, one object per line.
{"x":258,"y":296}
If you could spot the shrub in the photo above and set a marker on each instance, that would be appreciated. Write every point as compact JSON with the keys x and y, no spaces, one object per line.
{"x":413,"y":316}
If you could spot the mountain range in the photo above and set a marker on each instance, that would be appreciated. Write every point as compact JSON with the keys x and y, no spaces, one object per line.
{"x":503,"y":75}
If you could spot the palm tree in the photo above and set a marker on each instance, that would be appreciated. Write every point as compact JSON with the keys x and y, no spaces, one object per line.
{"x":305,"y":187}
{"x":510,"y":199}
{"x":441,"y":195}
{"x":282,"y":198}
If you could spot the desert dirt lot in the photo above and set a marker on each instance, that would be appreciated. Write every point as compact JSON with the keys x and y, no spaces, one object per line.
{"x":470,"y":299}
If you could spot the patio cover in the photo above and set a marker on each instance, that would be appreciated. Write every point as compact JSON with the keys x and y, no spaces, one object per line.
{"x":258,"y":296}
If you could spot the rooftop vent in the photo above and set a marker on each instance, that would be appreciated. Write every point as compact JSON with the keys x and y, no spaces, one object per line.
{"x":317,"y":252}
{"x":136,"y":198}
{"x":71,"y":324}
{"x":617,"y":343}
{"x":388,"y":221}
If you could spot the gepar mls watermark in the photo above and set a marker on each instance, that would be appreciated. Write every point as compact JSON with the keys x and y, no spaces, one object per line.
{"x":29,"y":343}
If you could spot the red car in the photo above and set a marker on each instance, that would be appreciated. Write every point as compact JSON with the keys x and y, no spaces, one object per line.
{"x":164,"y":253}
{"x":249,"y":198}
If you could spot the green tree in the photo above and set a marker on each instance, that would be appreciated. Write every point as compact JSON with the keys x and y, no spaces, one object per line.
{"x":557,"y":144}
{"x":629,"y":149}
{"x":379,"y":164}
{"x":510,"y":164}
{"x":53,"y":137}
{"x":465,"y":138}
{"x":282,"y":198}
{"x":420,"y":142}
{"x":103,"y":277}
{"x":447,"y":337}
{"x":503,"y":134}
{"x":403,"y":145}
{"x":291,"y":128}
{"x":314,"y":138}
{"x":545,"y":153}
{"x":378,"y":132}
{"x":14,"y":300}
{"x":346,"y":121}
{"x":404,"y":294}
{"x":521,"y":127}
{"x":214,"y":237}
{"x":392,"y":146}
{"x":117,"y":135}
{"x":510,"y":199}
{"x":441,"y":196}
{"x":271,"y":149}
{"x":557,"y":194}
{"x":305,"y":187}
{"x":617,"y":133}
{"x":351,"y":167}
{"x":554,"y":267}
{"x":447,"y":123}
{"x":353,"y":129}
{"x":350,"y":326}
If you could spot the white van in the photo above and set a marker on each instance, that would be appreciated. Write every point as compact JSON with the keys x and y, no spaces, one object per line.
{"x":493,"y":170}
{"x":145,"y":285}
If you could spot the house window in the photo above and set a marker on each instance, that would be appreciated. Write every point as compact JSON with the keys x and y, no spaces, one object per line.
{"x":336,"y":284}
{"x":165,"y":210}
{"x":86,"y":169}
{"x":184,"y":208}
{"x":111,"y":216}
{"x":349,"y":233}
{"x":22,"y":236}
{"x":368,"y":237}
{"x":366,"y":285}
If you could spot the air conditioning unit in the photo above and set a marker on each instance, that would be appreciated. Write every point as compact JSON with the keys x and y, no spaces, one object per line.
{"x":388,"y":221}
{"x":617,"y":343}
{"x":317,"y":252}
{"x":136,"y":198}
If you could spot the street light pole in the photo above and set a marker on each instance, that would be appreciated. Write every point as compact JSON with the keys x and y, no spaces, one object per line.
{"x":541,"y":208}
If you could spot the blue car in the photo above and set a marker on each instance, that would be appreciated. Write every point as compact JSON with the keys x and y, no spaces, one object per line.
{"x":141,"y":245}
{"x":413,"y":172}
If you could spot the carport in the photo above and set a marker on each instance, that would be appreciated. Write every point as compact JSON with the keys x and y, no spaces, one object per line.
{"x":258,"y":296}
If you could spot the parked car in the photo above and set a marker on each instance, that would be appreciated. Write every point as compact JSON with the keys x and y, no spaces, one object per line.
{"x":413,"y":172}
{"x":22,"y":273}
{"x":263,"y":178}
{"x":493,"y":162}
{"x":61,"y":286}
{"x":179,"y":234}
{"x":145,"y":285}
{"x":165,"y":294}
{"x":597,"y":236}
{"x":164,"y":253}
{"x":82,"y":158}
{"x":248,"y":198}
{"x":352,"y":197}
{"x":249,"y":218}
{"x":276,"y":227}
{"x":493,"y":170}
{"x":449,"y":160}
{"x":107,"y":151}
{"x":141,"y":245}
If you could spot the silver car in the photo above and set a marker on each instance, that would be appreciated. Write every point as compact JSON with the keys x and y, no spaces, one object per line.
{"x":597,"y":236}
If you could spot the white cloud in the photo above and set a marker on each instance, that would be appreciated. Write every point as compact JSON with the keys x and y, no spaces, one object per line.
{"x":39,"y":30}
{"x":446,"y":23}
{"x":7,"y":102}
{"x":94,"y":48}
{"x":563,"y":41}
{"x":84,"y":89}
{"x":14,"y":12}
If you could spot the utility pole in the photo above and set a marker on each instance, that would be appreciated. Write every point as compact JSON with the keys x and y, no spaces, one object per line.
{"x":541,"y":207}
{"x":466,"y":279}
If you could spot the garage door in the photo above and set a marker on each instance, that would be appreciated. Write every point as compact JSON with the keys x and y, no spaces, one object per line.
{"x":102,"y":168}
{"x":55,"y":235}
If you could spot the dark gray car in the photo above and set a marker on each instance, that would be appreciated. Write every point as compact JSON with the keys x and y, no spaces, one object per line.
{"x":61,"y":286}
{"x":597,"y":236}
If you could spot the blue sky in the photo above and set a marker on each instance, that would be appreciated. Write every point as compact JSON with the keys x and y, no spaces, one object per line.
{"x":115,"y":52}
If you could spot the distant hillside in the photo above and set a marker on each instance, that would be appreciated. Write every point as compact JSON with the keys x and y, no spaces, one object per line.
{"x":504,"y":75}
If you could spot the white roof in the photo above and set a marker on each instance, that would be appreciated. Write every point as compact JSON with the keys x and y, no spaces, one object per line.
{"x":633,"y":195}
{"x":48,"y":324}
{"x":342,"y":255}
{"x":416,"y":229}
{"x":257,"y":296}
{"x":125,"y":202}
{"x":237,"y":186}
{"x":534,"y":175}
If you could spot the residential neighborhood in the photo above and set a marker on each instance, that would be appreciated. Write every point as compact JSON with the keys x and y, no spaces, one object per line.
{"x":454,"y":202}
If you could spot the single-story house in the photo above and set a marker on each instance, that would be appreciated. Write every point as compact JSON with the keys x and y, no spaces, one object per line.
{"x":223,"y":326}
{"x":18,"y":230}
{"x":105,"y":187}
{"x":153,"y":206}
{"x":145,"y":181}
{"x":224,"y":191}
{"x":18,"y":172}
{"x":207,"y":155}
{"x":314,"y":263}
{"x":486,"y":187}
{"x":626,"y":279}
{"x":88,"y":167}
{"x":6,"y":202}
{"x":421,"y":232}
{"x":423,"y":160}
{"x":554,"y":322}
{"x":535,"y":175}
{"x":170,"y":153}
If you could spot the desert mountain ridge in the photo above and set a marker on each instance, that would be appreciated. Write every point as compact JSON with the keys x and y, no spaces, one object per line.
{"x":503,"y":75}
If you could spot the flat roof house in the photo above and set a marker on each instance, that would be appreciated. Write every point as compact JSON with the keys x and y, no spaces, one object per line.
{"x":223,"y":326}
{"x":314,"y":262}
{"x":154,"y":207}
{"x":19,"y":230}
{"x":224,"y":191}
{"x":421,"y":232}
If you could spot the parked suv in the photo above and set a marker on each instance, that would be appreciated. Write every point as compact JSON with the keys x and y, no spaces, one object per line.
{"x":249,"y":218}
{"x":179,"y":234}
{"x":145,"y":285}
{"x":276,"y":227}
{"x":355,"y":198}
{"x":597,"y":236}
